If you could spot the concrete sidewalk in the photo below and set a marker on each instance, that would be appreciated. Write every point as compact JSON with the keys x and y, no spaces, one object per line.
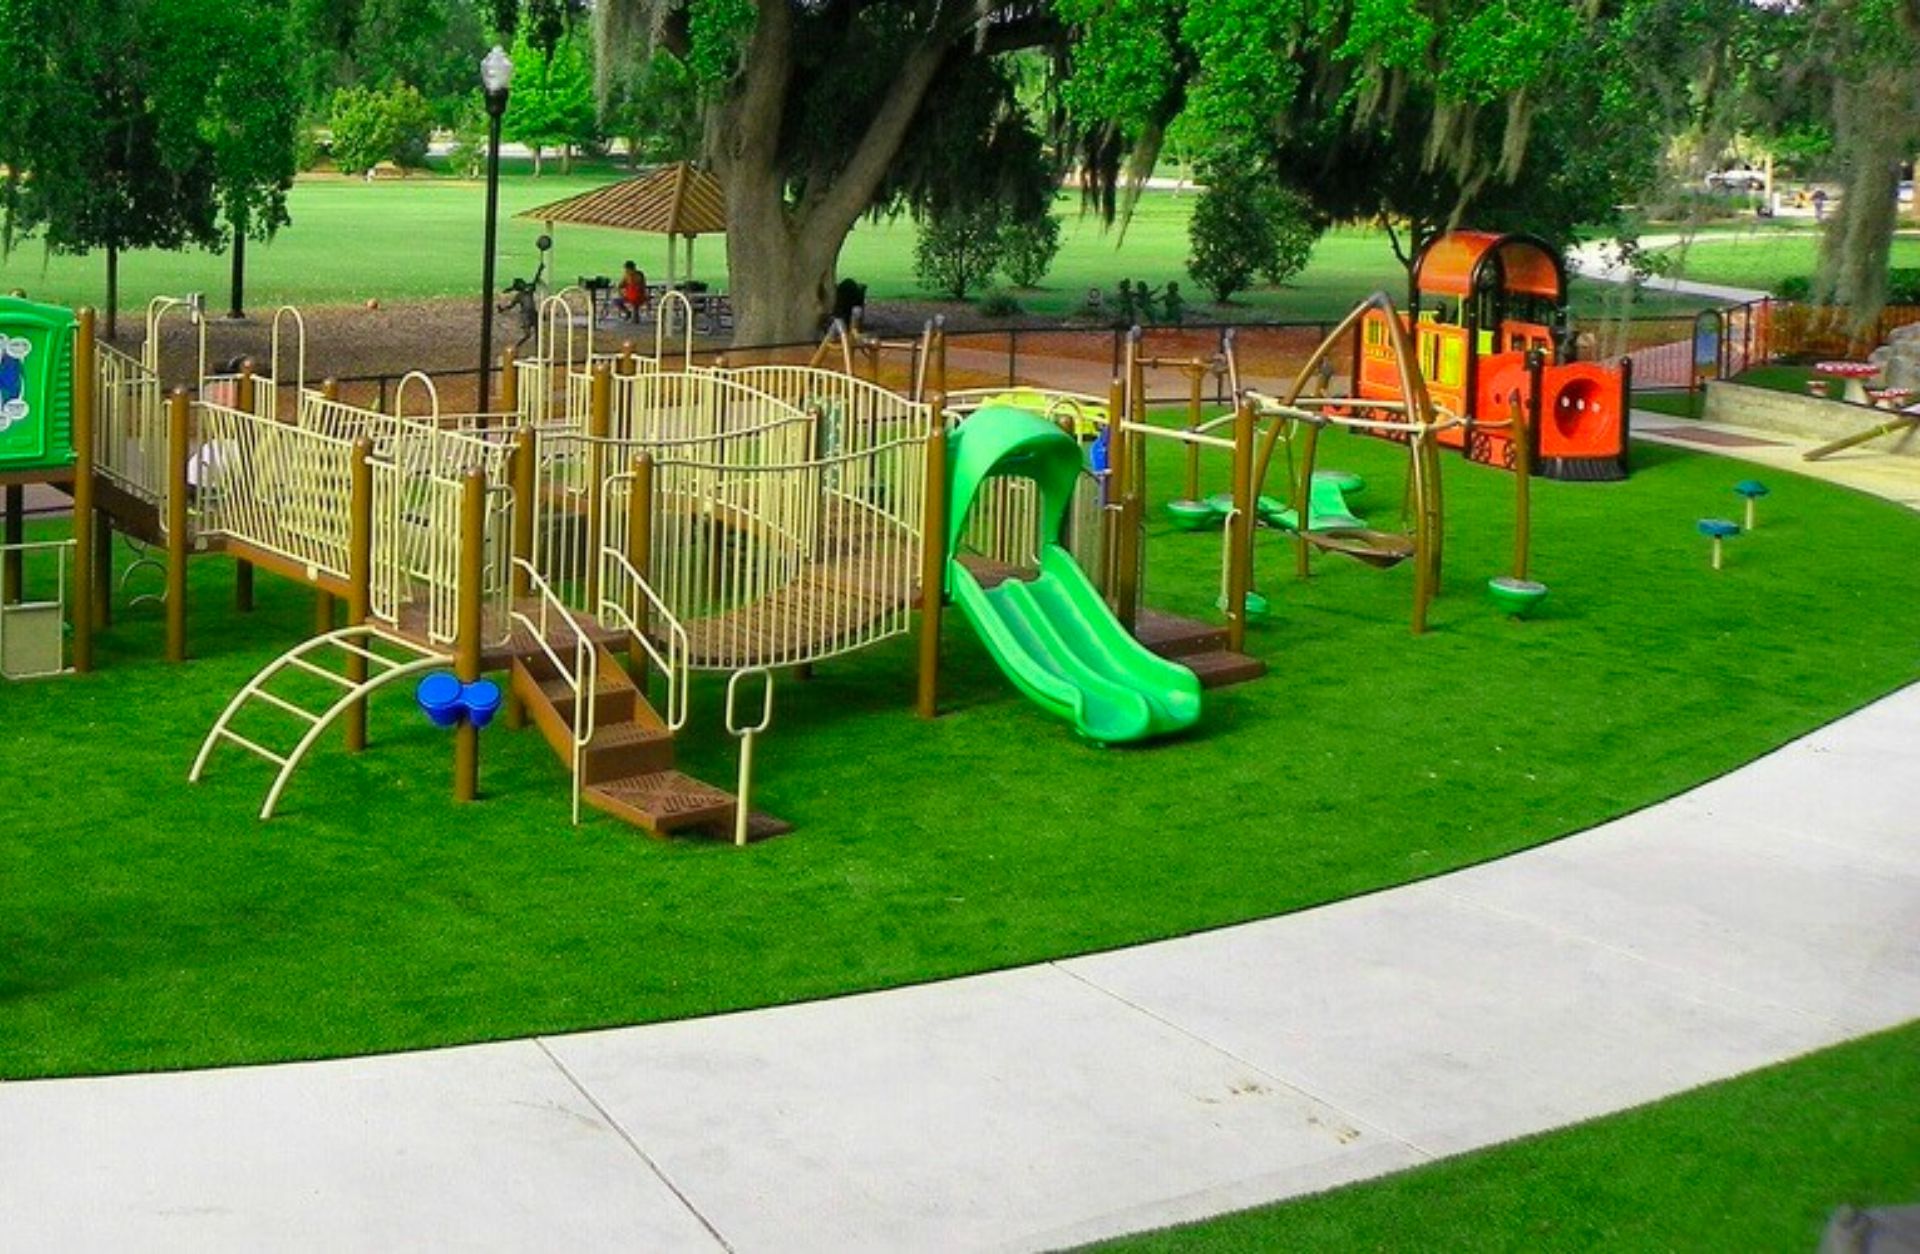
{"x":1595,"y":260}
{"x":1765,"y":914}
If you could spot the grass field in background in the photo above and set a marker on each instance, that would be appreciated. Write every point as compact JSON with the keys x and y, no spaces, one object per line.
{"x":420,"y":238}
{"x":1755,"y":1163}
{"x":1761,"y":259}
{"x":151,"y":923}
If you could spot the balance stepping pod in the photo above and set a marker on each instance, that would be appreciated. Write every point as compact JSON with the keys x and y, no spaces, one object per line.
{"x":1718,"y":529}
{"x":1753,"y":490}
{"x":446,"y":701}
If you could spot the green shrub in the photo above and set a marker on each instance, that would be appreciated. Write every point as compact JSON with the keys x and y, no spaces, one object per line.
{"x":1027,"y":250}
{"x":999,"y":303}
{"x":1230,"y":234}
{"x":956,"y":250}
{"x":374,"y":126}
{"x":1794,"y":287}
{"x":1903,"y":287}
{"x":1290,"y":219}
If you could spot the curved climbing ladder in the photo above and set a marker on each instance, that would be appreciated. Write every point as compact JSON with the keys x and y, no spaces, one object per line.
{"x":352,"y":644}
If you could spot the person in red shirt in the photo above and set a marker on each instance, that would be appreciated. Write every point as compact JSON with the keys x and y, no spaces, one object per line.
{"x":633,"y":292}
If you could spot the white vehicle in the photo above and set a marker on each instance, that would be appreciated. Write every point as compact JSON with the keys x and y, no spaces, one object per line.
{"x":1736,"y":181}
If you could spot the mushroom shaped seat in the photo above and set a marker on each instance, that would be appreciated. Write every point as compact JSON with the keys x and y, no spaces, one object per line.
{"x":1718,"y":528}
{"x":1750,"y":488}
{"x":1192,"y":515}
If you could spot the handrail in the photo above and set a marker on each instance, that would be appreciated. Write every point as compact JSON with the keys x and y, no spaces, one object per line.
{"x":400,"y":396}
{"x":746,"y":733}
{"x":660,"y":327}
{"x":584,"y":679}
{"x":300,"y":367}
{"x":674,"y":663}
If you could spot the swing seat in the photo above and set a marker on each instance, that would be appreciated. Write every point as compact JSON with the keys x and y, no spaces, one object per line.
{"x":1376,"y":548}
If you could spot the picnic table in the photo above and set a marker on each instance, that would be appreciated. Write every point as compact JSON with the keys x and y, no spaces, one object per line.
{"x":1854,"y":375}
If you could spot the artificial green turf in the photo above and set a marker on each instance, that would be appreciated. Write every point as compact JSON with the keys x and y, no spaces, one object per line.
{"x":421,"y":237}
{"x":149,"y":923}
{"x":1751,"y":1164}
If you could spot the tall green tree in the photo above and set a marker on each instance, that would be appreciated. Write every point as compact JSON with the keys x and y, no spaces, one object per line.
{"x":433,"y":45}
{"x":140,"y":124}
{"x":654,"y":106}
{"x":816,"y":114}
{"x":1421,"y":114}
{"x":552,"y":104}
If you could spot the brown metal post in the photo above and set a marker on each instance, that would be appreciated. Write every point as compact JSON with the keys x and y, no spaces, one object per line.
{"x":359,"y":576}
{"x":599,"y":422}
{"x":179,"y":420}
{"x":1302,"y":489}
{"x":243,"y":399}
{"x":520,"y":470}
{"x":1522,"y":436}
{"x":1109,"y":528}
{"x":466,"y":645}
{"x":509,"y":385}
{"x":933,"y":564}
{"x":937,"y":373}
{"x":1196,"y":383}
{"x":323,"y":610}
{"x":10,"y":572}
{"x":84,"y":378}
{"x":640,"y":556}
{"x":1240,"y":538}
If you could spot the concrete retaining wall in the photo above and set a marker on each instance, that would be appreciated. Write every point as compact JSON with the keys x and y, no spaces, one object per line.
{"x":1806,"y":417}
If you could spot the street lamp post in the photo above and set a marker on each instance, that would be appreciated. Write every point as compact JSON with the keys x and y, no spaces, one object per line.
{"x":496,"y":74}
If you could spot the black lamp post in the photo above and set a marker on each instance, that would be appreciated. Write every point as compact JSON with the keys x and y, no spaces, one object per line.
{"x":496,"y":73}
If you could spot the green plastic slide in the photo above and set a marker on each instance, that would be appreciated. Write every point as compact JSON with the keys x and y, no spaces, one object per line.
{"x":1326,"y":510}
{"x":1054,"y":635}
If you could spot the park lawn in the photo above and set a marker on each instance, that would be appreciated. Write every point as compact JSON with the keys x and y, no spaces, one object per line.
{"x":1761,"y":259}
{"x":154,"y":924}
{"x":1755,"y":1163}
{"x":420,"y":238}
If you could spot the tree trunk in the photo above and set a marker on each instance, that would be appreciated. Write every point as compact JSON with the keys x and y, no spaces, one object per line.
{"x":781,"y":278}
{"x":236,"y":304}
{"x":113,"y":290}
{"x":780,"y":256}
{"x":536,"y":160}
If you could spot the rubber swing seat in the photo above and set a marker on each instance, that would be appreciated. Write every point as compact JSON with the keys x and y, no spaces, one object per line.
{"x":1375,"y":548}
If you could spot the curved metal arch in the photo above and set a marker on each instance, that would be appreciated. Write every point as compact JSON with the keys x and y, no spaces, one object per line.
{"x":355,"y":692}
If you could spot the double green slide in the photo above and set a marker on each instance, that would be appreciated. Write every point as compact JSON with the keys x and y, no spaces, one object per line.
{"x":1053,"y":635}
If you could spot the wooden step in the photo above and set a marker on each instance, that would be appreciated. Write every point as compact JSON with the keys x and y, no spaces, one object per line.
{"x":614,"y":700}
{"x":1172,"y":636}
{"x":661,"y":801}
{"x":622,"y":749}
{"x":1219,"y":668}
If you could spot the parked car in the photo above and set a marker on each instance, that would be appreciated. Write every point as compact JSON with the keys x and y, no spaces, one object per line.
{"x":1736,"y":181}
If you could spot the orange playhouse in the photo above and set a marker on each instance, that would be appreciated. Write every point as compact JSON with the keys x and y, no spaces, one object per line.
{"x":1489,"y":329}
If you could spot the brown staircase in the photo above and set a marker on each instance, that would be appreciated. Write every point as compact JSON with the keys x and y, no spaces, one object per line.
{"x":626,"y":768}
{"x":1200,"y":647}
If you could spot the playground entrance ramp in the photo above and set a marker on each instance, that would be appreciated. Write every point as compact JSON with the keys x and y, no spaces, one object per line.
{"x":368,"y":659}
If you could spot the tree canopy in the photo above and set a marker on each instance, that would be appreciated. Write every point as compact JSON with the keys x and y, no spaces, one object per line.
{"x":144,"y":124}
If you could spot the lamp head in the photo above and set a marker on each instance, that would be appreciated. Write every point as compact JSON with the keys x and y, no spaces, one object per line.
{"x":496,"y":71}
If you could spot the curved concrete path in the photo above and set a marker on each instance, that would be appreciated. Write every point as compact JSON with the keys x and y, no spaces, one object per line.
{"x":1771,"y":912}
{"x":1598,"y":260}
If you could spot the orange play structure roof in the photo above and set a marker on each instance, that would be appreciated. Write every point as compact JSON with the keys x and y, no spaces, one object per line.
{"x":1447,"y":266}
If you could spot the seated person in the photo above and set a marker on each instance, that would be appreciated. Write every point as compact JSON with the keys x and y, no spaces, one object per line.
{"x":633,"y":293}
